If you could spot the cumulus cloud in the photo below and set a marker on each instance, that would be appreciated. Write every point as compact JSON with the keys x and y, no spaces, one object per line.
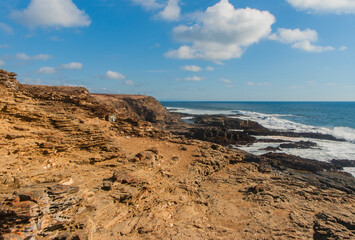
{"x":260,"y":84}
{"x":52,"y":13}
{"x":114,"y":75}
{"x":209,"y":68}
{"x":299,"y":39}
{"x":193,"y":79}
{"x":191,"y":68}
{"x":2,"y":63}
{"x":72,"y":66}
{"x":171,"y":12}
{"x":148,"y":4}
{"x":325,"y":6}
{"x":6,"y":28}
{"x":47,"y":70}
{"x":221,"y":33}
{"x":25,"y":57}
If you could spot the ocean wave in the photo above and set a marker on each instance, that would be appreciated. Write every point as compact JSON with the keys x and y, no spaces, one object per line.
{"x":275,"y":122}
{"x":200,"y":111}
{"x":326,"y":151}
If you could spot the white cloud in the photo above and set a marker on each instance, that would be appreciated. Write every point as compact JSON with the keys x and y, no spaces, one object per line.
{"x":114,"y":75}
{"x":331,"y":84}
{"x":6,"y":28}
{"x":209,"y":68}
{"x":171,"y":12}
{"x":193,"y":79}
{"x":25,"y":57}
{"x":191,"y":68}
{"x":130,"y":83}
{"x":72,"y":66}
{"x":225,"y":80}
{"x":2,"y":63}
{"x":4,"y":45}
{"x":300,"y":39}
{"x":148,"y":4}
{"x":260,"y":84}
{"x":343,"y":48}
{"x":222,"y":32}
{"x":325,"y":6}
{"x":47,"y":70}
{"x":52,"y":13}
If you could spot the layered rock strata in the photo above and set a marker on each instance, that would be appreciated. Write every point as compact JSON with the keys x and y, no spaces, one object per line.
{"x":69,"y":172}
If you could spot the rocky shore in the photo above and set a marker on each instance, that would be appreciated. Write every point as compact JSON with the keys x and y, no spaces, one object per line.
{"x":76,"y":165}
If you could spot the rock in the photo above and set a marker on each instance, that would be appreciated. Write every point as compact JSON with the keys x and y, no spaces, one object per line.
{"x":289,"y":161}
{"x":66,"y":182}
{"x":8,"y":80}
{"x":299,"y":145}
{"x":182,"y":148}
{"x":122,"y":177}
{"x":344,"y":162}
{"x":220,"y":136}
{"x":271,"y":149}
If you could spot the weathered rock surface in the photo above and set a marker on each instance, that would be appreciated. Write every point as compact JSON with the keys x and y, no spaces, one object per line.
{"x":344,"y":162}
{"x":299,"y":145}
{"x":67,"y":173}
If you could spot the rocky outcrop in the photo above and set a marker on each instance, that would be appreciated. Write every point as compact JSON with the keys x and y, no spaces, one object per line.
{"x":138,"y":107}
{"x":344,"y":162}
{"x":67,"y":173}
{"x":8,"y":79}
{"x":299,"y":145}
{"x":281,"y":160}
{"x":219,"y":135}
{"x":228,"y":123}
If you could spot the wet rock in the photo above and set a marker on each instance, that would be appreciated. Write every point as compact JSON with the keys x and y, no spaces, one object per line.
{"x":299,"y":145}
{"x":271,"y":149}
{"x":344,"y":162}
{"x":281,"y":160}
{"x":220,"y":136}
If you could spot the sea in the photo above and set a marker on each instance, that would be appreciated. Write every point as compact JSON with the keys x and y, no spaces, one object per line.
{"x":334,"y":118}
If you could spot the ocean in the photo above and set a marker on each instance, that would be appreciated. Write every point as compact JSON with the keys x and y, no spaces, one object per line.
{"x":334,"y":118}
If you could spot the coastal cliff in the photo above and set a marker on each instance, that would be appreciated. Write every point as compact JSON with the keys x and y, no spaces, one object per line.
{"x":75,"y":165}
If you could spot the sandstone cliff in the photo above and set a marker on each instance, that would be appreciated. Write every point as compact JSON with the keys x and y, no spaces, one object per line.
{"x":67,"y":173}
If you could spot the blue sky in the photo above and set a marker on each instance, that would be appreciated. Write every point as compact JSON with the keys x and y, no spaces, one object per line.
{"x":236,"y":50}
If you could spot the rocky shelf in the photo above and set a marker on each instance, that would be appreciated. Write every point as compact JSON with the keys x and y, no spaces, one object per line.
{"x":76,"y":165}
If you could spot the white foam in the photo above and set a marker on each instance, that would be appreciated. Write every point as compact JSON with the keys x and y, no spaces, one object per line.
{"x":200,"y":111}
{"x":187,"y":118}
{"x":350,"y":170}
{"x":272,"y":121}
{"x":327,"y":150}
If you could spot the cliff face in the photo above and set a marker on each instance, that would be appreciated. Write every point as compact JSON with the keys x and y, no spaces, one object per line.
{"x":142,"y":107}
{"x":67,"y":173}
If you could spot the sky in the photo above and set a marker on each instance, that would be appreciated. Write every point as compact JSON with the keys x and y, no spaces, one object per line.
{"x":210,"y":50}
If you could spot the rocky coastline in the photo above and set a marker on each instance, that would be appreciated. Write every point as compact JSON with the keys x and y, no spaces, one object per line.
{"x":76,"y":165}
